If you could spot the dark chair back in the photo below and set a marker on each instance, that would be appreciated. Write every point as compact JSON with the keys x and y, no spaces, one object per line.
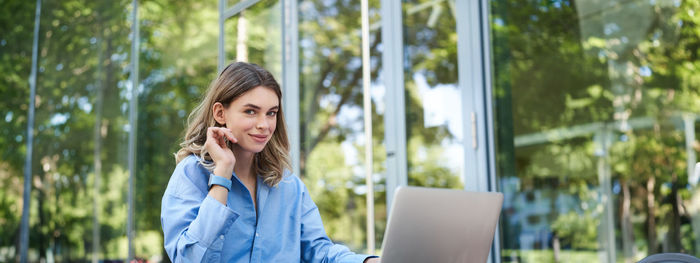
{"x":670,"y":258}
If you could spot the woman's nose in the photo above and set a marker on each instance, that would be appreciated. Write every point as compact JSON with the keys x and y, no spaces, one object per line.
{"x":261,"y":123}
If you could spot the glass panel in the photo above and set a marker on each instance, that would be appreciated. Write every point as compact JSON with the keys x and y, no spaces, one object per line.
{"x":178,"y":60}
{"x":332,"y":131}
{"x":82,"y":126}
{"x":16,"y":35}
{"x":435,"y":150}
{"x":254,"y":35}
{"x":595,"y":115}
{"x":78,"y":205}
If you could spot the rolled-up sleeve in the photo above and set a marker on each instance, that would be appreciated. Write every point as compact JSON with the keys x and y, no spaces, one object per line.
{"x":193,"y":222}
{"x":315,"y":244}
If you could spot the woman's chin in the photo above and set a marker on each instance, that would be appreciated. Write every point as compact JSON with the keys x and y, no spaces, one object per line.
{"x":256,"y":149}
{"x":251,"y":148}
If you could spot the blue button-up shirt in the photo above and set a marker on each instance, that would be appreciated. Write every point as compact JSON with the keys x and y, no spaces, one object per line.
{"x":287,"y":227}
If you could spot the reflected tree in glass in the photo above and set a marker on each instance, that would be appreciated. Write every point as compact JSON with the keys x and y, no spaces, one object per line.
{"x":433,"y":100}
{"x":331,"y":127}
{"x":612,"y":150}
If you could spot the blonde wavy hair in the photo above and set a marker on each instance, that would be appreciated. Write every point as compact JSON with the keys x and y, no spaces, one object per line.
{"x":235,"y":80}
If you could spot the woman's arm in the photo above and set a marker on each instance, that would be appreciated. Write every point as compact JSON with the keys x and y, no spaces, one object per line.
{"x":194,"y":223}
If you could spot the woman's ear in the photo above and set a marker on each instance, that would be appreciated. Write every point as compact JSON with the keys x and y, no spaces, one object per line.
{"x":219,"y":113}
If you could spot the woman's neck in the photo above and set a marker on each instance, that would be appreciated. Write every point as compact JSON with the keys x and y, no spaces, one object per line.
{"x":244,"y":164}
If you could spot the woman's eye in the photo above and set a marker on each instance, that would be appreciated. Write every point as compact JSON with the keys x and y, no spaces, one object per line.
{"x":272,"y":113}
{"x":250,"y":112}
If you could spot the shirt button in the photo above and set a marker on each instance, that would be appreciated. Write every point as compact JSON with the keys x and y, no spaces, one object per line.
{"x":221,"y":237}
{"x":257,"y":235}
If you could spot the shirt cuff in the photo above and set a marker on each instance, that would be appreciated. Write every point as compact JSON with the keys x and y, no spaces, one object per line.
{"x":212,"y":222}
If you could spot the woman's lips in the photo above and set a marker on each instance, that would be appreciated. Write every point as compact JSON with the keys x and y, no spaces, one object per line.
{"x":259,"y":138}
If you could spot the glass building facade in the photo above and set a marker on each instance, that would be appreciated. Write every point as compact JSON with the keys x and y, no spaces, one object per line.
{"x":582,"y":113}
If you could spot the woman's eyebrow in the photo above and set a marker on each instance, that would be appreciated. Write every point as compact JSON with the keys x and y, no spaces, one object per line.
{"x":252,"y":106}
{"x":258,"y":107}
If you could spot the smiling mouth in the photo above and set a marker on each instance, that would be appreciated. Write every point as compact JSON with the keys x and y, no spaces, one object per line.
{"x":259,"y":138}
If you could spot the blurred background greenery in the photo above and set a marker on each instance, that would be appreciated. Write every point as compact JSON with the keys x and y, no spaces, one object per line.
{"x":595,"y":108}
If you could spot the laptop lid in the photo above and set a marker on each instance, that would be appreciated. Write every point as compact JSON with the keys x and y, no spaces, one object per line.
{"x":440,"y":225}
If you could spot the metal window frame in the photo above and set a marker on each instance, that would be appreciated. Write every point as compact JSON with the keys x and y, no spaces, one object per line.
{"x":395,"y":110}
{"x":474,"y":71}
{"x":133,"y":121}
{"x":26,"y":193}
{"x":237,"y":8}
{"x":367,"y":110}
{"x":472,"y":82}
{"x":290,"y":77}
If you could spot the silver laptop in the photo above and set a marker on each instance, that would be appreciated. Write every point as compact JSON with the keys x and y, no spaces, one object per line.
{"x":440,"y":225}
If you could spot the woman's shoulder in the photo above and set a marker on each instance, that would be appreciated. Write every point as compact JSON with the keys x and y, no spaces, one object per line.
{"x":191,"y":165}
{"x":189,"y":160}
{"x":188,"y":172}
{"x":291,"y":181}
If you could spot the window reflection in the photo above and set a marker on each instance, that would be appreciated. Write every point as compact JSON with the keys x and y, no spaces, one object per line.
{"x":595,"y":129}
{"x":332,"y":135}
{"x":79,"y":152}
{"x":16,"y":50}
{"x":254,"y":35}
{"x":433,"y":100}
{"x":80,"y":183}
{"x":178,"y":60}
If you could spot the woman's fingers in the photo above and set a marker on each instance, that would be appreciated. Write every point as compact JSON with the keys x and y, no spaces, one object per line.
{"x":219,"y":135}
{"x":217,"y":148}
{"x":213,"y":136}
{"x":210,"y":132}
{"x":229,"y":135}
{"x":225,"y":134}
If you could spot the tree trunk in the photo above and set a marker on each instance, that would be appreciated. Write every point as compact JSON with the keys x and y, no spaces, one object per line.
{"x":627,"y":229}
{"x":674,"y":233}
{"x":556,"y":248}
{"x":42,"y":222}
{"x":242,"y":38}
{"x":651,"y":217}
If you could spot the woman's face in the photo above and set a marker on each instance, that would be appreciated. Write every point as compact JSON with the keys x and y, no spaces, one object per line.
{"x":252,"y":118}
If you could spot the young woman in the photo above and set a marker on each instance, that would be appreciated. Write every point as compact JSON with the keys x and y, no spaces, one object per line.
{"x":232,"y":197}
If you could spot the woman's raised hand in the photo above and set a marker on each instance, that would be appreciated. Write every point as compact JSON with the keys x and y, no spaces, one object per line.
{"x":218,"y":150}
